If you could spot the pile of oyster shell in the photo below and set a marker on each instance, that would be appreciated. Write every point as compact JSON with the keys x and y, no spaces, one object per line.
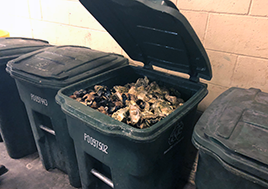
{"x":139,"y":104}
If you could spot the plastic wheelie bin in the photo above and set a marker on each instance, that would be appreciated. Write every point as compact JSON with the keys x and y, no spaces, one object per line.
{"x":232,"y":138}
{"x":39,"y":75}
{"x":3,"y":33}
{"x":111,"y":153}
{"x":14,"y":123}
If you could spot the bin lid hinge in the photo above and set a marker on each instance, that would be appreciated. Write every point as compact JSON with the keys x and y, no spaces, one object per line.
{"x":193,"y":69}
{"x":148,"y":65}
{"x":194,"y":78}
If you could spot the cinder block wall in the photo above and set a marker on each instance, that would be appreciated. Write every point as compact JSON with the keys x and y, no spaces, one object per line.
{"x":234,"y":33}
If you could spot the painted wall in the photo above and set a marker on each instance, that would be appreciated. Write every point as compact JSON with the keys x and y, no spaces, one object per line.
{"x":234,"y":33}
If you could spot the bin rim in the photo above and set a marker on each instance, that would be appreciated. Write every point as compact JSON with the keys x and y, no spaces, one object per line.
{"x":114,"y":127}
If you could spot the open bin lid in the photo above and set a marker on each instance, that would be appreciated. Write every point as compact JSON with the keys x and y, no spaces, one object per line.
{"x":59,"y":66}
{"x":153,"y":32}
{"x":13,"y":47}
{"x":235,"y":128}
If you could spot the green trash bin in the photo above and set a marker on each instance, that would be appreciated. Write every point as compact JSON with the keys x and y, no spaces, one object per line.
{"x":39,"y":75}
{"x":232,"y":138}
{"x":14,"y":123}
{"x":111,"y":153}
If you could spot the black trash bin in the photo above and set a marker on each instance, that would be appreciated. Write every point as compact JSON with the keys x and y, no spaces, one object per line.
{"x":111,"y":153}
{"x":232,"y":138}
{"x":14,"y":123}
{"x":39,"y":75}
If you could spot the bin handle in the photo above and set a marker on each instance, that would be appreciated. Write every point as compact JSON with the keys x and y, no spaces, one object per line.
{"x":102,"y":177}
{"x":44,"y":128}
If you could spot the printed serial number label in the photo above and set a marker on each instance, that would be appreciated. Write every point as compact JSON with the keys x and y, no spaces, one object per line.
{"x":95,"y":143}
{"x":39,"y":100}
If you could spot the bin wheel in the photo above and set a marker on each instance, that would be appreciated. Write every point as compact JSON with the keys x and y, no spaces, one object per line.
{"x":3,"y":170}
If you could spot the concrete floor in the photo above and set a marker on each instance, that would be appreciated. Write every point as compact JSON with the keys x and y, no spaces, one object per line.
{"x":28,"y":173}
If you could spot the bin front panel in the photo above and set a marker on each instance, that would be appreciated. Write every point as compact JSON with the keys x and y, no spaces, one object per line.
{"x":133,"y":164}
{"x":56,"y":149}
{"x":38,"y":98}
{"x":138,"y":158}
